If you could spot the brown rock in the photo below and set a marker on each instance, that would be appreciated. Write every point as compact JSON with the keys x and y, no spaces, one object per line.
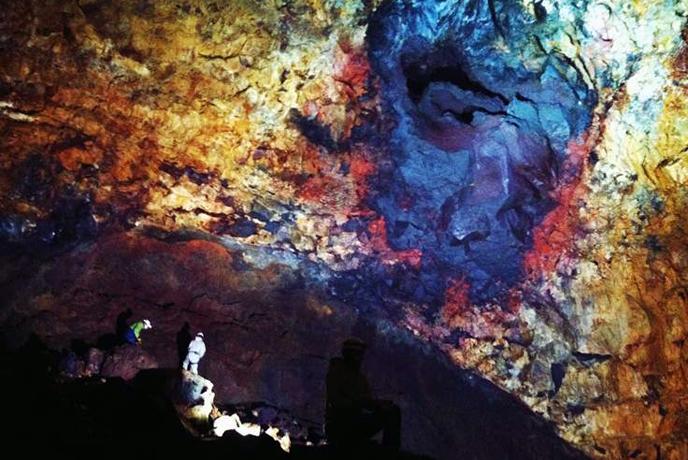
{"x":126,"y":361}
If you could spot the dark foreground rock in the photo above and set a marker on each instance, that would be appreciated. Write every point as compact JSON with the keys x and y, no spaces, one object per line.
{"x":269,"y":335}
{"x":113,"y":416}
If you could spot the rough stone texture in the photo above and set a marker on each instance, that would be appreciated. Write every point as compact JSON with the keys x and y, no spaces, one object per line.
{"x":269,"y":337}
{"x":503,"y":181}
{"x":193,"y":397}
{"x":126,"y":361}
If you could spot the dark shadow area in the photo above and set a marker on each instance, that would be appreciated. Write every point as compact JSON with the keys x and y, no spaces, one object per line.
{"x":276,"y":351}
{"x":183,"y":341}
{"x":444,"y":65}
{"x":114,"y":418}
{"x":353,"y":414}
{"x":474,"y":416}
{"x":122,"y":323}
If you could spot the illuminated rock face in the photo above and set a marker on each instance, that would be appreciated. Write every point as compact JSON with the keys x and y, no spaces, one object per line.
{"x":483,"y":120}
{"x":504,"y":181}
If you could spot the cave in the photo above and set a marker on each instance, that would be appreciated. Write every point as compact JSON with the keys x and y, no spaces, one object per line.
{"x":215,"y":213}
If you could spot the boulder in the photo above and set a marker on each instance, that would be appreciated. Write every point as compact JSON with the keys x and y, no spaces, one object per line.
{"x":126,"y":361}
{"x":193,"y":397}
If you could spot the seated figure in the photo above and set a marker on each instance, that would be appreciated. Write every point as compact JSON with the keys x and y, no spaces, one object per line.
{"x":353,"y":416}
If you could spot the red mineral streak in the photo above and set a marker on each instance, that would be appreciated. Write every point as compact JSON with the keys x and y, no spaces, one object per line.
{"x":360,"y":169}
{"x":456,"y":299}
{"x":378,"y":241}
{"x":351,"y":68}
{"x":317,"y":188}
{"x":514,"y":300}
{"x":553,"y":237}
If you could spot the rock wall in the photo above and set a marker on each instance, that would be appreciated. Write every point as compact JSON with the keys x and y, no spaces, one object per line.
{"x":502,"y":181}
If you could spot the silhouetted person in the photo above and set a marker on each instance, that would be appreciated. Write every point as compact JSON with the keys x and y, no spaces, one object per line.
{"x":183,"y":340}
{"x":123,"y":324}
{"x":352,"y":414}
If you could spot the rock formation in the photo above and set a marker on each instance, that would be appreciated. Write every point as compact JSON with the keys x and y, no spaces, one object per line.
{"x":495,"y":185}
{"x":193,"y":398}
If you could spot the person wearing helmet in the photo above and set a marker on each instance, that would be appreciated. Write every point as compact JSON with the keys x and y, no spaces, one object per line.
{"x":133,"y":333}
{"x":194,"y":354}
{"x":352,"y":415}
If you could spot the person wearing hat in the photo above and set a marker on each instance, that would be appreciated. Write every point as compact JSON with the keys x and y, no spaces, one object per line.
{"x":133,"y":334}
{"x":352,"y":415}
{"x":194,"y":354}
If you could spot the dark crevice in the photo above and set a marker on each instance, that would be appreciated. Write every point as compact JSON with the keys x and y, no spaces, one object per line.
{"x":523,"y":98}
{"x":419,"y":77}
{"x":314,"y":131}
{"x":195,"y":176}
{"x":468,"y":113}
{"x":495,"y":18}
{"x":591,"y":358}
{"x":558,"y":371}
{"x":540,"y":11}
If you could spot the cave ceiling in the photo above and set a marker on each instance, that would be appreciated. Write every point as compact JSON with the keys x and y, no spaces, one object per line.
{"x":505,"y":181}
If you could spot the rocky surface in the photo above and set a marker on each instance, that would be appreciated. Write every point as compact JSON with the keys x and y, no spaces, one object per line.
{"x":193,"y":398}
{"x":126,"y":362}
{"x":499,"y":184}
{"x":269,"y":337}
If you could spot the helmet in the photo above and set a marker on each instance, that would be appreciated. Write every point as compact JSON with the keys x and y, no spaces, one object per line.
{"x":200,"y":334}
{"x":147,"y":324}
{"x":354,"y":344}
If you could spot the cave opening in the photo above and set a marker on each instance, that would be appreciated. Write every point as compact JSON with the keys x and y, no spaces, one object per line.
{"x":442,"y":65}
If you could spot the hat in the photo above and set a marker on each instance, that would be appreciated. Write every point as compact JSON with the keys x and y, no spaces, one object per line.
{"x":354,"y":344}
{"x":199,"y":334}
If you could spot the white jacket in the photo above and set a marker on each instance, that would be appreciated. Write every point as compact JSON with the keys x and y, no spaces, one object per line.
{"x":196,"y":347}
